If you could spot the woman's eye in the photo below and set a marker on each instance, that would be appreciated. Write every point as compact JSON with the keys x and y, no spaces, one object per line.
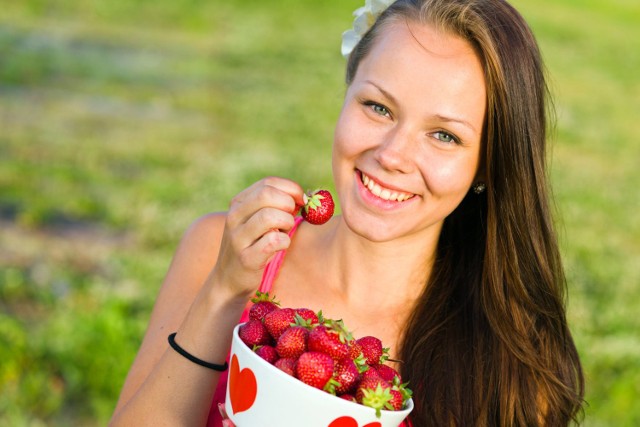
{"x":379,"y":109}
{"x":445,"y":137}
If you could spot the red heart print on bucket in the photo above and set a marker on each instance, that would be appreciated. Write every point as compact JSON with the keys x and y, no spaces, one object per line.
{"x":347,"y":421}
{"x":243,"y":387}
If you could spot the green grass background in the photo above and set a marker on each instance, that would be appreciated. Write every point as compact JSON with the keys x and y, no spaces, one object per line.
{"x":122,"y":121}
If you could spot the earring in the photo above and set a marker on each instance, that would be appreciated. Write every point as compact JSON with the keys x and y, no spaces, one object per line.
{"x":479,"y":187}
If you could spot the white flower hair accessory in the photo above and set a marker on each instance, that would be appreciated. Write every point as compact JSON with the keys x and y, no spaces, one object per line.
{"x":366,"y":16}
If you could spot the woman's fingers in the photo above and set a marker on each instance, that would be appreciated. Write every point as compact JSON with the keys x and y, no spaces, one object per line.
{"x":260,"y":223}
{"x":267,"y":205}
{"x":256,"y":256}
{"x":273,"y":192}
{"x":256,"y":228}
{"x":222,"y":410}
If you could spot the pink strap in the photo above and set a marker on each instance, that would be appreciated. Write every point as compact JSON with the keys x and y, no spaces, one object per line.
{"x":271,"y":270}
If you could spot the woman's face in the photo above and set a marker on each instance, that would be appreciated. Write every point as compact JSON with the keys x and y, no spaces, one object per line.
{"x":407,"y":143}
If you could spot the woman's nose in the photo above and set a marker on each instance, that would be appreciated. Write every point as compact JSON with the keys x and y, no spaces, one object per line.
{"x":396,"y":153}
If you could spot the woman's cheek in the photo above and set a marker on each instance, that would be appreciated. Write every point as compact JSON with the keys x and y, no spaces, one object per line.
{"x":449,"y":178}
{"x":346,"y":136}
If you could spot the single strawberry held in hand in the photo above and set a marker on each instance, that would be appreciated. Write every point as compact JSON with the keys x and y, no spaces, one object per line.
{"x":318,"y":207}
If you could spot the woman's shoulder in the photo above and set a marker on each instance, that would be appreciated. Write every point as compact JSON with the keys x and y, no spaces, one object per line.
{"x":207,"y":227}
{"x":200,"y":242}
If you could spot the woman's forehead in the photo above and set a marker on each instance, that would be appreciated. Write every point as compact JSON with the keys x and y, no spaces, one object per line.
{"x":409,"y":50}
{"x":413,"y":60}
{"x":426,"y":37}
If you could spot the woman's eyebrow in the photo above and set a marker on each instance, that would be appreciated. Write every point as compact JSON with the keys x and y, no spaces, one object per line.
{"x":384,"y":92}
{"x":439,"y":117}
{"x":454,"y":120}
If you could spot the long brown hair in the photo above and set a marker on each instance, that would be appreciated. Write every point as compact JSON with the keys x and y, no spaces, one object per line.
{"x":488,"y":342}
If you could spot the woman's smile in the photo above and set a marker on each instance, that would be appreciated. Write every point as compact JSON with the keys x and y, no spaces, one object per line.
{"x":382,"y":191}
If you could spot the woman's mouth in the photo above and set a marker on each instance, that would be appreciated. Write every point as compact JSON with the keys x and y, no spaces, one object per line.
{"x":384,"y":193}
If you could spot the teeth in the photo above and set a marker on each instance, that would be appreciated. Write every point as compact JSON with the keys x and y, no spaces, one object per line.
{"x":384,"y":193}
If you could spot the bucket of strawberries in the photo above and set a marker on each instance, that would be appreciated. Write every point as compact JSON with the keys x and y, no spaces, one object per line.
{"x":292,"y":367}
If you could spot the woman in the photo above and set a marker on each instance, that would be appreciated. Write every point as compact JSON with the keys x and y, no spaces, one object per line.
{"x":445,"y":248}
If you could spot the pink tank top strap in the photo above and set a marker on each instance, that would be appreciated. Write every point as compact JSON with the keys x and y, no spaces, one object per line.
{"x":271,"y":271}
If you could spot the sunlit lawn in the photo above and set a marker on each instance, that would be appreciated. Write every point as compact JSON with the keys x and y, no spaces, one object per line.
{"x":123,"y":121}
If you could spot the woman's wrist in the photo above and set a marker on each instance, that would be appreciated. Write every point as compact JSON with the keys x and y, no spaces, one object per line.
{"x":206,"y":331}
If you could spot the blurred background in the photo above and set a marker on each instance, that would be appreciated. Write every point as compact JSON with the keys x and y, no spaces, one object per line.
{"x":123,"y":121}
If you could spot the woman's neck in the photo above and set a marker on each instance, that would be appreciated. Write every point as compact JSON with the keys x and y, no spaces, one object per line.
{"x":390,"y":273}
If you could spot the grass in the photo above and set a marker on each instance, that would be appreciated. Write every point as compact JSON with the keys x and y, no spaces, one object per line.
{"x":124,"y":121}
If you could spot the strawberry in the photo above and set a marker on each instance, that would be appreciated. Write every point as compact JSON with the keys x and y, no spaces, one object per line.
{"x":293,"y":342}
{"x":355,"y":349}
{"x":396,"y":402}
{"x":375,"y":395}
{"x":387,"y":372}
{"x":370,"y":375}
{"x":372,"y":350}
{"x":267,"y":352}
{"x":253,"y":333}
{"x":349,"y":397}
{"x":376,"y":392}
{"x":308,"y":315}
{"x":288,"y":366}
{"x":347,"y":374}
{"x":330,"y":338}
{"x":401,"y":389}
{"x":315,"y":369}
{"x":318,"y":207}
{"x":369,"y":382}
{"x":262,"y":305}
{"x":278,"y":320}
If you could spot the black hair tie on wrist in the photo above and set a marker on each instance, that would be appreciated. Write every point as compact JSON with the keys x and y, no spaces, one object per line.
{"x":191,"y":357}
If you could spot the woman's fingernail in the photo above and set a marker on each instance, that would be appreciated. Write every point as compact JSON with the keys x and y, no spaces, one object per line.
{"x":223,"y":412}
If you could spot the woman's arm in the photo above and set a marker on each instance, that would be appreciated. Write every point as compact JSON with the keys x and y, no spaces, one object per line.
{"x":159,"y":377}
{"x":217,"y":266}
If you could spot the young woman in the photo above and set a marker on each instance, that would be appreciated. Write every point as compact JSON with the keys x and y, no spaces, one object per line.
{"x":445,"y":248}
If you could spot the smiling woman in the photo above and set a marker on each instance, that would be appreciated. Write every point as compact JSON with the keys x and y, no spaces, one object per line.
{"x":445,"y":248}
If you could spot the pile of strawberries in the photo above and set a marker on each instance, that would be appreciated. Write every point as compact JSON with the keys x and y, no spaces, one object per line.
{"x":323,"y":354}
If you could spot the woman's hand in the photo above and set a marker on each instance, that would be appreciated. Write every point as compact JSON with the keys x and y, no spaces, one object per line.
{"x":226,"y":422}
{"x":256,"y":228}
